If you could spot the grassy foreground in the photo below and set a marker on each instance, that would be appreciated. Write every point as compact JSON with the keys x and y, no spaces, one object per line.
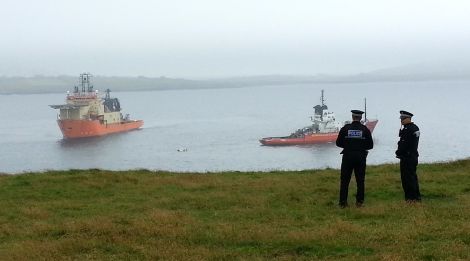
{"x":293,"y":215}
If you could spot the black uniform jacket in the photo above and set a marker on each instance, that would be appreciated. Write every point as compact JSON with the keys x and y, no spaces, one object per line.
{"x":408,"y":143}
{"x":354,"y":137}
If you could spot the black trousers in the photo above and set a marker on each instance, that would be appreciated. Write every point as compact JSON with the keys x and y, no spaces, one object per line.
{"x":353,"y":161}
{"x":409,"y":179}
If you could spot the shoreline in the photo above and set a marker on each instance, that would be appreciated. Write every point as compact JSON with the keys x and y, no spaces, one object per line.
{"x":144,"y":215}
{"x":386,"y":164}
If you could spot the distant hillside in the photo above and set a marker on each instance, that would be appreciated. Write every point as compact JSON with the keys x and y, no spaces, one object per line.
{"x":417,"y":72}
{"x":49,"y":84}
{"x":458,"y":70}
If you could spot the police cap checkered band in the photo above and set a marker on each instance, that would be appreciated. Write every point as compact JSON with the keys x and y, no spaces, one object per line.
{"x":357,"y":113}
{"x":405,"y":114}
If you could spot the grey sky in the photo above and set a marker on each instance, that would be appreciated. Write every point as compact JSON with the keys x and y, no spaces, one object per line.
{"x":209,"y":38}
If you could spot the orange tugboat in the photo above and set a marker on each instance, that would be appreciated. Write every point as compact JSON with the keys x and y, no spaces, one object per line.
{"x":324,"y":129}
{"x":85,"y":114}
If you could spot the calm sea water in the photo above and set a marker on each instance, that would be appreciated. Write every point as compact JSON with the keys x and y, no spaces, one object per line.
{"x":220,"y":128}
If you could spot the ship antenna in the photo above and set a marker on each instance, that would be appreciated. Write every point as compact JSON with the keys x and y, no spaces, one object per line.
{"x":365,"y":109}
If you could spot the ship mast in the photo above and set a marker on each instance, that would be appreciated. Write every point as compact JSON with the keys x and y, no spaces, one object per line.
{"x":85,"y":82}
{"x":322,"y":99}
{"x":107,"y":97}
{"x":365,"y":109}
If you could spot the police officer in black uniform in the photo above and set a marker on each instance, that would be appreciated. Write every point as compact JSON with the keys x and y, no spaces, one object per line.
{"x":355,"y":139}
{"x":407,"y":152}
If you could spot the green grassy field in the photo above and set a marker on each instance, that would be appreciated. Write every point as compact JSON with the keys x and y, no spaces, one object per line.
{"x":292,"y":215}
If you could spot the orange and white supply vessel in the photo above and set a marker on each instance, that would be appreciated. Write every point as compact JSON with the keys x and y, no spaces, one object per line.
{"x":324,"y":129}
{"x":85,"y":114}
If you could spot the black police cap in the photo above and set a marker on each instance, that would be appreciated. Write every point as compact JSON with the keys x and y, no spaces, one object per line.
{"x":357,"y":113}
{"x":405,"y":114}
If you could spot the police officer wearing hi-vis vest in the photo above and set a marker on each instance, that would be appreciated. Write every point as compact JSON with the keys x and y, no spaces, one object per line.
{"x":407,"y":152}
{"x":356,"y":140}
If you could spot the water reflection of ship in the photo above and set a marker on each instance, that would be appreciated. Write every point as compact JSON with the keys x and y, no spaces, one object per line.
{"x":324,"y":128}
{"x":85,"y":114}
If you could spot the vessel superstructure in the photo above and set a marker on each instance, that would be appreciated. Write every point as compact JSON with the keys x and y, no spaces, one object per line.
{"x":86,"y":114}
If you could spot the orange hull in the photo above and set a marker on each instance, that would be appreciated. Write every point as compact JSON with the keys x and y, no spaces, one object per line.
{"x":307,"y":139}
{"x":92,"y":128}
{"x":315,"y":138}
